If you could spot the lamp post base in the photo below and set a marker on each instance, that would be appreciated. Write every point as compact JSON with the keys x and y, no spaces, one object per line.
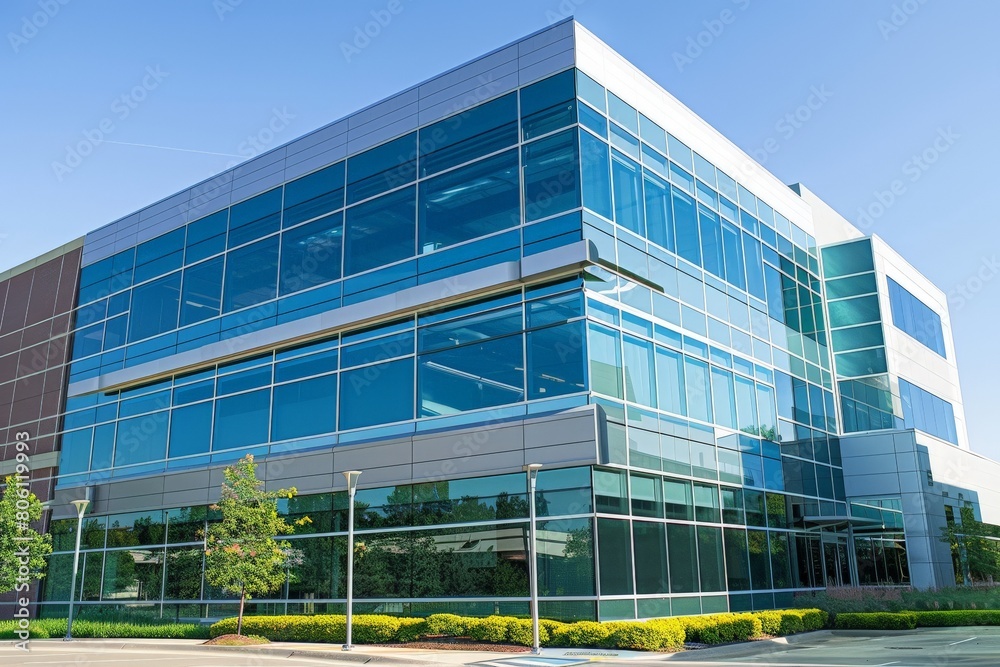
{"x":346,"y":647}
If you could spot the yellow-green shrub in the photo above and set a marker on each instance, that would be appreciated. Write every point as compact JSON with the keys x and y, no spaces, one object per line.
{"x":519,"y":631}
{"x":879,"y":620}
{"x":451,"y":625}
{"x":732,"y":628}
{"x":581,"y":633}
{"x":939,"y":619}
{"x":491,"y":629}
{"x":411,"y":629}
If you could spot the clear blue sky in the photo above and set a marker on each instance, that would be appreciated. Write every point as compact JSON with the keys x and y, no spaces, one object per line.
{"x":898,"y":72}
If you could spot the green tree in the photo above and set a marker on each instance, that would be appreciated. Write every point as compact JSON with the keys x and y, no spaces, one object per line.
{"x":242,"y":556}
{"x":975,"y":545}
{"x":22,"y":549}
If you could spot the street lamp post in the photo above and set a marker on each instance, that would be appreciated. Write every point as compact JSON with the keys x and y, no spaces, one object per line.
{"x":352,"y":487}
{"x":532,"y":470}
{"x":81,"y":507}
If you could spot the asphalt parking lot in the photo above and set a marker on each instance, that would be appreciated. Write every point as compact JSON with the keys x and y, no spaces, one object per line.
{"x":940,"y":647}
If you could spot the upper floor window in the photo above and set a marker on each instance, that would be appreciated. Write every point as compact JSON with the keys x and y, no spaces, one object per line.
{"x":915,"y":318}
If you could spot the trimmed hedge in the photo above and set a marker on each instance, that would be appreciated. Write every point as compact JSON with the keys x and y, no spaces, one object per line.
{"x":45,"y":628}
{"x":879,"y":620}
{"x":942,"y":619}
{"x":652,"y":635}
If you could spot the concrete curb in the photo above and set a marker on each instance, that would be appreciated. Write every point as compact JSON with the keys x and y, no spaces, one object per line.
{"x":354,"y":656}
{"x":745,"y":649}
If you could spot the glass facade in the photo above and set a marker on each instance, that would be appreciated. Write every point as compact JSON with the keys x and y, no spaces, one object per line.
{"x":916,"y":319}
{"x":710,"y":332}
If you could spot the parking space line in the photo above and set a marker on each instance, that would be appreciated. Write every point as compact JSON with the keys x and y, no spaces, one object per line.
{"x":886,"y":664}
{"x":963,"y":641}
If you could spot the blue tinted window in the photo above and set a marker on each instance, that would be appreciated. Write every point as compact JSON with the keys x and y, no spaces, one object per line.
{"x":300,"y":367}
{"x":475,"y":200}
{"x":251,"y":275}
{"x":699,"y":397}
{"x":653,"y":134}
{"x":470,"y":377}
{"x":551,"y":176}
{"x":115,"y":332}
{"x":471,"y":134}
{"x":314,"y":195}
{"x":590,"y":91}
{"x":75,"y":451}
{"x":191,"y":429}
{"x":378,"y":394}
{"x":686,"y":226}
{"x":382,"y":168}
{"x":241,"y":420}
{"x":733,"y":249}
{"x":623,"y":113}
{"x":202,"y":291}
{"x":640,"y":374}
{"x":625,"y":177}
{"x":593,"y":121}
{"x":723,"y":398}
{"x":556,"y":361}
{"x":605,"y":361}
{"x":711,"y":242}
{"x":915,"y":318}
{"x":594,"y":159}
{"x":380,"y":231}
{"x":155,"y":307}
{"x":679,"y":152}
{"x":310,"y":254}
{"x":754,"y":266}
{"x":304,"y":408}
{"x":88,"y":341}
{"x":926,"y":412}
{"x":548,"y":105}
{"x":848,"y":258}
{"x":141,"y":439}
{"x":206,"y":237}
{"x":659,"y":214}
{"x":670,"y":381}
{"x":161,"y":255}
{"x":255,"y":218}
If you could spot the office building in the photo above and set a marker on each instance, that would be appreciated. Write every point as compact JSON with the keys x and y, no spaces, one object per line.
{"x":537,"y":257}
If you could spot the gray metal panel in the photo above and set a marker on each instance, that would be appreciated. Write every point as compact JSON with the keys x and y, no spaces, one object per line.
{"x":264,"y":172}
{"x":452,"y":445}
{"x":550,"y":50}
{"x":542,"y":38}
{"x":170,"y":204}
{"x":189,"y":497}
{"x":186,"y":481}
{"x":358,"y":143}
{"x":476,"y":87}
{"x":470,"y":70}
{"x":484,"y":91}
{"x":395,"y":107}
{"x":496,"y":463}
{"x":544,"y":68}
{"x":314,"y":162}
{"x":257,"y":187}
{"x":257,"y":163}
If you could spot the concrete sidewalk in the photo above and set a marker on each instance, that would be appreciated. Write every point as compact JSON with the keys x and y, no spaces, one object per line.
{"x":388,"y":655}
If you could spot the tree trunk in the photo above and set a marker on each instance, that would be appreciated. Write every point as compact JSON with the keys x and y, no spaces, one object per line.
{"x":239,"y":620}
